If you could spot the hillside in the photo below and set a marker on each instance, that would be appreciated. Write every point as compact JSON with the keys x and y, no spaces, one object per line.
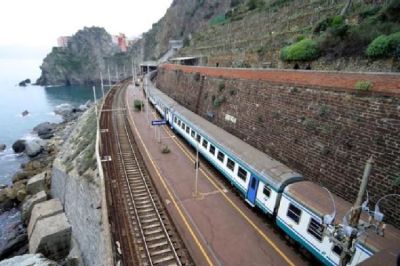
{"x":303,"y":34}
{"x":254,"y":34}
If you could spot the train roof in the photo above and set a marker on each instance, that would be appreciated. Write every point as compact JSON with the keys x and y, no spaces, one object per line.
{"x":271,"y":171}
{"x":316,"y":198}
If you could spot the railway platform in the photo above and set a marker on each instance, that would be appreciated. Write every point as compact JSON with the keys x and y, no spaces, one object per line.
{"x":216,"y":225}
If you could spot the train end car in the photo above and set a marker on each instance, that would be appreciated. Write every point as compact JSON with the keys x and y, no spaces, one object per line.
{"x":300,"y":215}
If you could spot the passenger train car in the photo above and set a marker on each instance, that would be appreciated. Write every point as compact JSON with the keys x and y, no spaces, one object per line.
{"x":298,"y":206}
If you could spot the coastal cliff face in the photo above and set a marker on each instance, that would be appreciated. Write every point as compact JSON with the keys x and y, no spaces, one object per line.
{"x":76,"y":182}
{"x":80,"y":62}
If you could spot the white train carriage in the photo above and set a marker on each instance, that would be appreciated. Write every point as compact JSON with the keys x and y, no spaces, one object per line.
{"x":258,"y":177}
{"x":299,"y":205}
{"x":302,"y":208}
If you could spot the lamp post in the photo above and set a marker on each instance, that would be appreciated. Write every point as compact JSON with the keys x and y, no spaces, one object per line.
{"x":102,"y":84}
{"x":196,"y":166}
{"x":109,"y":76}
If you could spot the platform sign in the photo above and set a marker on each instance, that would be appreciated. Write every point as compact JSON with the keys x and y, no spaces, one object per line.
{"x":158,"y":122}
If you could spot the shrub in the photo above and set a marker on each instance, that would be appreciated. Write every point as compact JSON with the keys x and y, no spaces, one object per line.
{"x":253,"y":4}
{"x":379,"y":47}
{"x":218,"y":101}
{"x":221,"y":86}
{"x":138,"y":105}
{"x":165,"y":149}
{"x":218,"y":19}
{"x":384,"y":45}
{"x":369,"y":11}
{"x":304,"y":50}
{"x":363,"y":85}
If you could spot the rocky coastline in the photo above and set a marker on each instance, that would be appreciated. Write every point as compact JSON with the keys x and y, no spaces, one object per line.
{"x":32,"y":184}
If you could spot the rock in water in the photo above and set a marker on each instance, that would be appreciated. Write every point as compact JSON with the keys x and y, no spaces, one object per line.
{"x":33,"y":147}
{"x":45,"y":130}
{"x":28,"y":260}
{"x":19,"y":146}
{"x":13,"y":236}
{"x":3,"y":147}
{"x":25,"y":113}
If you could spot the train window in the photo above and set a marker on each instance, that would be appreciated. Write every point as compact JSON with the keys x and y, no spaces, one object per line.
{"x":175,"y":119}
{"x":179,"y":122}
{"x":187,"y":129}
{"x":294,"y":213}
{"x":267,"y":191}
{"x":315,"y":229}
{"x":205,"y":143}
{"x":193,"y":133}
{"x":183,"y":126}
{"x":220,"y":156}
{"x":198,"y":138}
{"x":242,"y":174}
{"x":337,"y":250}
{"x":212,"y":149}
{"x":230,"y":164}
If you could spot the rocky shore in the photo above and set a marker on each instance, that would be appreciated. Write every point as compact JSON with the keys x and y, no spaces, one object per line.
{"x":32,"y":185}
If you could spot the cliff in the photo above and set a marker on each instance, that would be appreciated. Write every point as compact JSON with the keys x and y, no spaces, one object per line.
{"x":182,"y":19}
{"x":80,"y":62}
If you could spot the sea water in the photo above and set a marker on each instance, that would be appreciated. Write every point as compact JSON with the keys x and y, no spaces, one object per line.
{"x":37,"y":100}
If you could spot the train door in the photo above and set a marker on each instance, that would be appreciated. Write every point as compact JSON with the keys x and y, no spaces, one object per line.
{"x":252,"y":191}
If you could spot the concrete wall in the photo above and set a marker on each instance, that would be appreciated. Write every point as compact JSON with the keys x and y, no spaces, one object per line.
{"x":315,"y":122}
{"x":81,"y":197}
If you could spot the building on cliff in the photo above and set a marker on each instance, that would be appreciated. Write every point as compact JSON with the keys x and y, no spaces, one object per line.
{"x":121,"y":41}
{"x":63,"y":41}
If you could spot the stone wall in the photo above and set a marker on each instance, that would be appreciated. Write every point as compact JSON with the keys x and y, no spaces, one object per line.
{"x":80,"y":194}
{"x":317,"y":123}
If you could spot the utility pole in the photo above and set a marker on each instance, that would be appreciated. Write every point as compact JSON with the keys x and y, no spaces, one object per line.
{"x":95,"y":100}
{"x":196,"y":166}
{"x":133,"y":73}
{"x":356,"y":211}
{"x":109,"y":76}
{"x":116,"y":73}
{"x":102,"y":84}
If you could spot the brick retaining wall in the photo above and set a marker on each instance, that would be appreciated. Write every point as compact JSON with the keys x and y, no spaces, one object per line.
{"x":314,"y":122}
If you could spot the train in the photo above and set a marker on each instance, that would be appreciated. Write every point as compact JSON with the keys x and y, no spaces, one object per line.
{"x":298,"y":206}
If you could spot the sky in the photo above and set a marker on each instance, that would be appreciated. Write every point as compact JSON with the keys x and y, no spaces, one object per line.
{"x":30,"y":28}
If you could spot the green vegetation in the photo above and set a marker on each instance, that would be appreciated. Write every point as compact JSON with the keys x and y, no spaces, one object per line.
{"x":82,"y":155}
{"x":138,"y":105}
{"x":218,"y":101}
{"x":374,"y":35}
{"x":253,"y":4}
{"x":323,"y":110}
{"x":304,"y":50}
{"x":384,"y":45}
{"x":363,"y":85}
{"x":165,"y":149}
{"x":221,"y":86}
{"x":218,"y":19}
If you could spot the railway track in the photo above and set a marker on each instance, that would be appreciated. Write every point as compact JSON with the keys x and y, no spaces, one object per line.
{"x":142,"y":230}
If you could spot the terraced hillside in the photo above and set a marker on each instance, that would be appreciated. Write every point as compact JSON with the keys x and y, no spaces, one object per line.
{"x":242,"y":37}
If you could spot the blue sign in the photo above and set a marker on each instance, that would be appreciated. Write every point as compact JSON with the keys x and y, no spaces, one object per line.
{"x":158,"y":122}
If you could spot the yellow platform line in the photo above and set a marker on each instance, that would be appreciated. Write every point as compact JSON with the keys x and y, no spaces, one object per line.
{"x":214,"y":183}
{"x":170,"y":194}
